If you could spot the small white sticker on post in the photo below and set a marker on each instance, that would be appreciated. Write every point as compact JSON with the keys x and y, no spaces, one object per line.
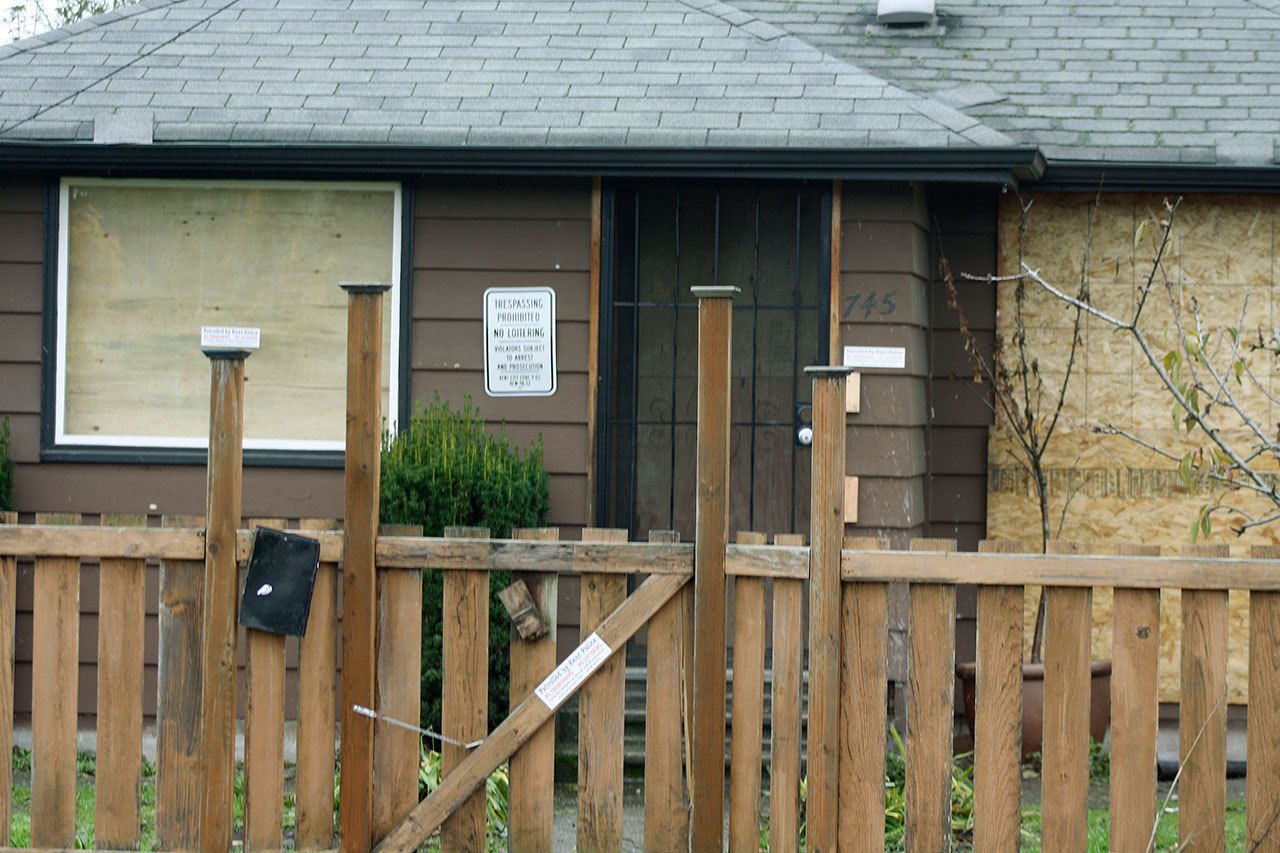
{"x":577,"y":668}
{"x":230,"y":337}
{"x":886,"y":358}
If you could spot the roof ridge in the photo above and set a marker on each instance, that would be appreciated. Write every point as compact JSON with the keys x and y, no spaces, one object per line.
{"x":948,"y":118}
{"x":102,"y":19}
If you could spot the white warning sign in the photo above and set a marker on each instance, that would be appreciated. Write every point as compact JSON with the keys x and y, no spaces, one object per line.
{"x":520,"y":342}
{"x":577,"y":668}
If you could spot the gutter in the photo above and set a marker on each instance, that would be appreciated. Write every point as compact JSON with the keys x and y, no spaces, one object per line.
{"x":960,"y":165}
{"x":1079,"y":176}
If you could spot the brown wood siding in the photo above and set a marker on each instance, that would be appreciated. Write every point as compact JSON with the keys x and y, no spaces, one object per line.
{"x":466,"y":238}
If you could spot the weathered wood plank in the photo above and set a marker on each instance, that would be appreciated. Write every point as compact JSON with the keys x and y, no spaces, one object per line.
{"x":711,"y":535}
{"x":178,"y":758}
{"x":1202,"y":724}
{"x":86,"y":542}
{"x":784,"y":749}
{"x":121,"y":600}
{"x":317,"y":706}
{"x":767,"y":561}
{"x":666,"y":816}
{"x":55,"y":656}
{"x":1065,"y":779}
{"x":1134,"y":711}
{"x":395,"y":750}
{"x":264,"y":733}
{"x":523,"y":723}
{"x":997,"y":775}
{"x":466,"y":691}
{"x":930,"y":706}
{"x":747,"y":731}
{"x":863,"y":698}
{"x":533,"y":765}
{"x":1262,"y":796}
{"x":520,"y":555}
{"x":601,"y":717}
{"x":8,"y":630}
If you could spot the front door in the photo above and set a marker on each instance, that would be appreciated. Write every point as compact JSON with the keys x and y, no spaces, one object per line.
{"x":772,"y":242}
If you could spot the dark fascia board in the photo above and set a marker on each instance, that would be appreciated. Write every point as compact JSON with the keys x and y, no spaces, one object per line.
{"x":967,"y":165}
{"x":1062,"y":176}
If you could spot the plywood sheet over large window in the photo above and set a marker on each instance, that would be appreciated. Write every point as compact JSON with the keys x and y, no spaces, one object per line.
{"x":144,"y":264}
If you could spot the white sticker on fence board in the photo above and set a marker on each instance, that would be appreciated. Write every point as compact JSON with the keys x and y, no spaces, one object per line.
{"x":889,"y":358}
{"x":520,"y":342}
{"x":230,"y":337}
{"x":577,"y":668}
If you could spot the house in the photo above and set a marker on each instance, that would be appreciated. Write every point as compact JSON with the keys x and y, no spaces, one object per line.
{"x":186,"y":162}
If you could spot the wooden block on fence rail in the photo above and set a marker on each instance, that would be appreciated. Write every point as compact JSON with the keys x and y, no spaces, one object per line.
{"x":747,"y":733}
{"x":533,"y":765}
{"x":8,"y":629}
{"x":666,"y":817}
{"x":317,"y":704}
{"x":1065,"y":779}
{"x":526,"y":619}
{"x":1202,"y":718}
{"x":398,"y":690}
{"x":788,"y":665}
{"x":864,"y":684}
{"x":1262,"y":797}
{"x":264,"y":732}
{"x":601,"y":715}
{"x":178,"y":769}
{"x":121,"y":619}
{"x":930,"y":707}
{"x":997,"y":759}
{"x":464,"y":715}
{"x":55,"y":657}
{"x":850,"y":500}
{"x":1134,"y":709}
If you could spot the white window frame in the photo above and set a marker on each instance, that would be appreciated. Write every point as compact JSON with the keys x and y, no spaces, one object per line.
{"x":64,"y":439}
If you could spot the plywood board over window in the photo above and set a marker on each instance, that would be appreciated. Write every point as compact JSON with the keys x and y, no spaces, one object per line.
{"x":144,"y":264}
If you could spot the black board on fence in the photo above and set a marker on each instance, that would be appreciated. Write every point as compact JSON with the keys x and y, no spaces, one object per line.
{"x":279,"y":582}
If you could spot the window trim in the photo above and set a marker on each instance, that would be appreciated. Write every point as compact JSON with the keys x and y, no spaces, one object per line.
{"x":59,"y":446}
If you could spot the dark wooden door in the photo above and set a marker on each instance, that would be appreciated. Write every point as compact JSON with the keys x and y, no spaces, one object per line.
{"x":770,"y":241}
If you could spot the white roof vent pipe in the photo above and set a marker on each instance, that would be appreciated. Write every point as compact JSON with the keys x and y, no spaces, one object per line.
{"x":905,"y":12}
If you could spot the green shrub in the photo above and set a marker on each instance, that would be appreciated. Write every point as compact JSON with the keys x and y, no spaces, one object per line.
{"x":6,"y":467}
{"x":444,"y":469}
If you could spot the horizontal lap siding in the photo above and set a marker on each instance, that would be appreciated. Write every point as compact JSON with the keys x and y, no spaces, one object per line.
{"x":468,"y":239}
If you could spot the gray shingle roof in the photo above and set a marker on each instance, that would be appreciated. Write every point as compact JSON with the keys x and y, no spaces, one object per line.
{"x":1193,"y":81}
{"x":635,"y":73}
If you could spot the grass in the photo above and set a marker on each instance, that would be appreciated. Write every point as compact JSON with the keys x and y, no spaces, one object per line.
{"x":1166,"y":834}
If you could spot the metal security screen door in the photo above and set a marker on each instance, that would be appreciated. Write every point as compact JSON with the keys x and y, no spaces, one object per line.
{"x":773,"y":243}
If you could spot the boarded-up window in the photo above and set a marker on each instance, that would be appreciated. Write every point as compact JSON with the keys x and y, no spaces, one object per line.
{"x":144,"y":264}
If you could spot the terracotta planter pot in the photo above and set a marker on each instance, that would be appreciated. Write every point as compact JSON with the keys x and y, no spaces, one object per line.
{"x":1033,"y":701}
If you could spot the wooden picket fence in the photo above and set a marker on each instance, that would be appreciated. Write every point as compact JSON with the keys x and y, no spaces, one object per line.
{"x":838,"y":585}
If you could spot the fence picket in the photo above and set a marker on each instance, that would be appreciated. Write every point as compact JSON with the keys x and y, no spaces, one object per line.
{"x":930,"y":706}
{"x":1262,"y":797}
{"x":863,"y":687}
{"x":788,"y":663}
{"x":666,"y":817}
{"x":601,"y":715}
{"x":1065,"y":780}
{"x":121,"y":618}
{"x":8,"y":629}
{"x":264,"y":732}
{"x":55,"y":657}
{"x":466,"y":688}
{"x":398,"y":689}
{"x":178,"y":767}
{"x":533,"y":765}
{"x":1202,"y":719}
{"x":317,"y":705}
{"x":997,"y":749}
{"x":747,"y":729}
{"x":1134,"y":709}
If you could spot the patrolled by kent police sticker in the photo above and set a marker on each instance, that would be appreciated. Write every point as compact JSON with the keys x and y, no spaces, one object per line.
{"x":577,"y":668}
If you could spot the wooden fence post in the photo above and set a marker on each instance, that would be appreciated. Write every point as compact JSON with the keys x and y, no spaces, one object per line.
{"x":826,"y":534}
{"x":8,"y":625}
{"x":264,"y":731}
{"x":715,"y":324}
{"x":787,"y":723}
{"x":359,"y":577}
{"x":666,"y":817}
{"x":317,"y":704}
{"x":221,"y":579}
{"x":747,"y":733}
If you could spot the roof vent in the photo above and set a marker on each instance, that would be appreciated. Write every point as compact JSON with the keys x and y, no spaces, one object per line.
{"x":905,"y":12}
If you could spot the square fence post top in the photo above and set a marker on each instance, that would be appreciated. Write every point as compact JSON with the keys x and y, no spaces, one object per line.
{"x":220,"y":354}
{"x":828,"y":371}
{"x":365,"y":286}
{"x":721,"y":291}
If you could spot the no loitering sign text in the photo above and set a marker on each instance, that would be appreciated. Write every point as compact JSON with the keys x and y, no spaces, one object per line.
{"x":520,"y":342}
